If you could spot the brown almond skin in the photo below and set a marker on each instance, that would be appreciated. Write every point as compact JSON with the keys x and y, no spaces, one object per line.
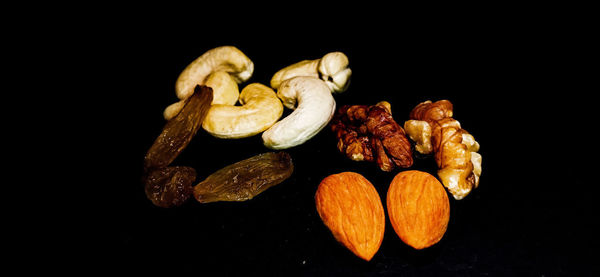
{"x":351,"y":208}
{"x":418,"y":208}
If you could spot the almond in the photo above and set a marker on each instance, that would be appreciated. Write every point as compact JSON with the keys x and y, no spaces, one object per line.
{"x":418,"y":208}
{"x":351,"y":208}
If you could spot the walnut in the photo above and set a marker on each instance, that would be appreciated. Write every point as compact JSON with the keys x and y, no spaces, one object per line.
{"x":432,"y":111}
{"x":420,"y":132}
{"x":455,"y":150}
{"x":369,"y":133}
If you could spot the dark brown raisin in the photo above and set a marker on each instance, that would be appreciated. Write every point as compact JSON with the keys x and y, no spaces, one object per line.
{"x":179,"y":131}
{"x":243,"y":180}
{"x":169,"y":186}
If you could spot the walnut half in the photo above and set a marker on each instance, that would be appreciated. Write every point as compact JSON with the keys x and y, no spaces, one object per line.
{"x":369,"y":133}
{"x":434,"y":130}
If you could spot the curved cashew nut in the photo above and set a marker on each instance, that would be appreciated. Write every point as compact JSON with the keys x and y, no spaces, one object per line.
{"x":224,"y":58}
{"x":221,"y":68}
{"x":260,"y":109}
{"x":315,"y":108}
{"x":225,"y":91}
{"x":335,"y":72}
{"x":331,"y":68}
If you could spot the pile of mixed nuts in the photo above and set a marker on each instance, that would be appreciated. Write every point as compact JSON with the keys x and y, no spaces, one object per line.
{"x":349,"y":205}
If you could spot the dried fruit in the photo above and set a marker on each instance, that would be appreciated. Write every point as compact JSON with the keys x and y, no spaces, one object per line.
{"x":179,"y":131}
{"x":418,"y":208}
{"x":243,"y":180}
{"x":171,"y":186}
{"x":350,"y":207}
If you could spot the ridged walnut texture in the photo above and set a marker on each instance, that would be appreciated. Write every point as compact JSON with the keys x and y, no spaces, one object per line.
{"x":369,"y":133}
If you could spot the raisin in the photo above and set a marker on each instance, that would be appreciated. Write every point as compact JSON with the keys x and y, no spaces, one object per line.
{"x":179,"y":131}
{"x":169,"y":186}
{"x":244,"y":180}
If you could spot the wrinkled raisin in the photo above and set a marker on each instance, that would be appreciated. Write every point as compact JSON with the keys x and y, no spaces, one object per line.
{"x":243,"y":180}
{"x":169,"y":186}
{"x":179,"y":131}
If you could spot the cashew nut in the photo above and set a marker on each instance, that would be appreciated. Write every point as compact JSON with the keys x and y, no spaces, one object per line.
{"x":224,"y":58}
{"x":331,"y":68}
{"x":221,"y":68}
{"x":173,"y":109}
{"x":225,"y":88}
{"x":315,"y":108}
{"x":260,"y":109}
{"x":225,"y":91}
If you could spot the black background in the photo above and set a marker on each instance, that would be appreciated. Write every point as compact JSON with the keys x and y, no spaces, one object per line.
{"x":513,"y":87}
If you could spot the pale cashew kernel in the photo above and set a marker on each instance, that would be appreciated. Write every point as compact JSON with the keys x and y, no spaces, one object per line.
{"x":335,"y":72}
{"x":173,"y":109}
{"x":314,"y":107}
{"x":260,"y":108}
{"x":225,"y":91}
{"x":224,"y":58}
{"x":331,"y":68}
{"x":308,"y":68}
